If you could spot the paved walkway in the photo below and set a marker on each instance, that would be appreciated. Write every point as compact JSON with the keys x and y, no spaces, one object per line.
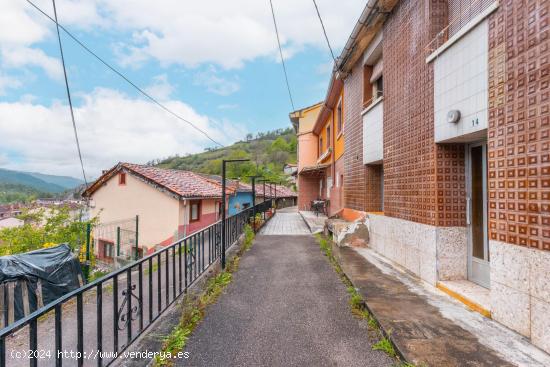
{"x":286,"y":222}
{"x":285,"y":307}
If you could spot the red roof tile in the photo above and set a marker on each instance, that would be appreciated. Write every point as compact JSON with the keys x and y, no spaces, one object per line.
{"x":186,"y":184}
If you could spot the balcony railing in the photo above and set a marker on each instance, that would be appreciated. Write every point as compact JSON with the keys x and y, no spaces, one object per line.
{"x":104,"y":317}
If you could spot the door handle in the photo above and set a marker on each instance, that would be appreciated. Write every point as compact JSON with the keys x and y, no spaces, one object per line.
{"x":468,"y":220}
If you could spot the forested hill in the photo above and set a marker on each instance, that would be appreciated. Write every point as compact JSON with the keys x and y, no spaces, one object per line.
{"x":268,"y":152}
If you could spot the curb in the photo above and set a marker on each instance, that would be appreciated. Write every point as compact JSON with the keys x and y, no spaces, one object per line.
{"x":305,"y":221}
{"x":386,"y":333}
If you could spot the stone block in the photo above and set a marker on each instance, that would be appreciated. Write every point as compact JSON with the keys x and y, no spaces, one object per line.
{"x":511,"y":308}
{"x":540,"y":324}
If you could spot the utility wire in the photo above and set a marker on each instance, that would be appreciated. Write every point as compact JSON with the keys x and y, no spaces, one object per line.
{"x":114,"y":70}
{"x":69,"y":95}
{"x":281,"y":53}
{"x":324,"y":30}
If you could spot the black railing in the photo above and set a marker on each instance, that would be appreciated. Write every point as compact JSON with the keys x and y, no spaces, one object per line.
{"x":98,"y":321}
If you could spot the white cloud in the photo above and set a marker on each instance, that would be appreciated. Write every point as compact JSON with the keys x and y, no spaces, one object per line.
{"x":160,"y":88}
{"x":8,"y":82}
{"x":112,"y":127}
{"x":21,"y":57}
{"x":189,"y":33}
{"x":225,"y":33}
{"x":215,"y":83}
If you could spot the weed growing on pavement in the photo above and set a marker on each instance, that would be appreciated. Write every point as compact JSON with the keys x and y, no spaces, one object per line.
{"x":386,"y":346}
{"x":194,"y":309}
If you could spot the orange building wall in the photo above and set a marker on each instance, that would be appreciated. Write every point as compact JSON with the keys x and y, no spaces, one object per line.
{"x":307,"y":150}
{"x":339,"y":142}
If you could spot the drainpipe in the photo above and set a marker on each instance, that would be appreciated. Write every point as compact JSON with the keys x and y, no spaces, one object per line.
{"x":369,"y":11}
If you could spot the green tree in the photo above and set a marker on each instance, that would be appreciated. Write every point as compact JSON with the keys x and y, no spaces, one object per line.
{"x":43,"y":228}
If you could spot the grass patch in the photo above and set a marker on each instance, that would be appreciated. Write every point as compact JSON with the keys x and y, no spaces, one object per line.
{"x":386,"y":346}
{"x":357,"y":303}
{"x":194,"y":308}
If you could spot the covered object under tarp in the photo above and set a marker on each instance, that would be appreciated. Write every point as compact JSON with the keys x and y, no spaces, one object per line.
{"x":33,"y":279}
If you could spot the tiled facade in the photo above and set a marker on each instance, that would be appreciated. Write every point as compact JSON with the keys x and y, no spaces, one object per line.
{"x":519,"y":167}
{"x":519,"y":124}
{"x":354,"y":170}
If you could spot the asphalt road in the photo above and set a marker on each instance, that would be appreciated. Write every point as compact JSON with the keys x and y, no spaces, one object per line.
{"x":285,"y":307}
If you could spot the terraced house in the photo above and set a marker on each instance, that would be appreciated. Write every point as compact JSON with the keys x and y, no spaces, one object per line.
{"x":170,"y":204}
{"x":446,"y":128}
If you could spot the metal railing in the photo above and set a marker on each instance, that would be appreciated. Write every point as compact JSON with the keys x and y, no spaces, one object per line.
{"x":108,"y":314}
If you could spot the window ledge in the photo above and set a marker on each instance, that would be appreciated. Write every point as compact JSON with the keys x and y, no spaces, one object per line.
{"x":372,"y":105}
{"x":340,"y":134}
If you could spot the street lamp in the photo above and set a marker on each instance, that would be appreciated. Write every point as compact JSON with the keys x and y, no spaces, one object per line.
{"x":224,"y":162}
{"x":263,"y":192}
{"x":254,"y":200}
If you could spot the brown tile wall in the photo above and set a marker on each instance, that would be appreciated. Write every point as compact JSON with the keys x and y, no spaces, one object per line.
{"x":373,"y":182}
{"x":354,"y":170}
{"x":519,"y":123}
{"x":423,"y":181}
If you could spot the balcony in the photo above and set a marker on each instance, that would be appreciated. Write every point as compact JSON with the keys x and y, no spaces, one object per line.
{"x":373,"y":139}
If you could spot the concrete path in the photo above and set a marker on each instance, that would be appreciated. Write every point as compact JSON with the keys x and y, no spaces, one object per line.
{"x":315,"y":222}
{"x":428,"y":327}
{"x":285,"y":307}
{"x":286,"y":222}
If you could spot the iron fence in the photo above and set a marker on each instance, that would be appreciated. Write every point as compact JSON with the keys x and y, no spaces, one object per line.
{"x":108,"y":314}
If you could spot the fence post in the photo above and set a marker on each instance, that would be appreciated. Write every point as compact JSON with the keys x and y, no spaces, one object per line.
{"x":117,"y":241}
{"x":137,"y":236}
{"x":87,"y":264}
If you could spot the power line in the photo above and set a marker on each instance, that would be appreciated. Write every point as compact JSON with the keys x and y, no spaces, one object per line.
{"x":113,"y":69}
{"x":324,"y":30}
{"x":69,"y":95}
{"x":281,"y":53}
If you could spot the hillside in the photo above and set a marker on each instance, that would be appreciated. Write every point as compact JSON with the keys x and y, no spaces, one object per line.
{"x":65,"y":182}
{"x":268,"y":152}
{"x":16,"y":186}
{"x":14,"y":193}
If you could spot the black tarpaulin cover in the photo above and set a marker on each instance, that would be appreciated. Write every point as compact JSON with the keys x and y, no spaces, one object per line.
{"x":56,"y":269}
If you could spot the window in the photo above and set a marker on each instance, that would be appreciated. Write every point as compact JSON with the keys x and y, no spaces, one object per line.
{"x":122,"y":178}
{"x":320,"y":145}
{"x":339,"y":116}
{"x":328,"y":136}
{"x":378,"y":88}
{"x":195,"y":210}
{"x":367,"y":86}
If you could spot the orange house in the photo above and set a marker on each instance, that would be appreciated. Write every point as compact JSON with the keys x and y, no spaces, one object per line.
{"x":329,"y":127}
{"x":320,"y":130}
{"x":307,"y":182}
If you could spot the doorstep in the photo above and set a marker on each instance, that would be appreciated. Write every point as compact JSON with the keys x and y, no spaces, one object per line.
{"x":427,"y":326}
{"x":475,"y":297}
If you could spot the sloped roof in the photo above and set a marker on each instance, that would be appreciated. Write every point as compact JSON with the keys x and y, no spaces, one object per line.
{"x":185,"y":184}
{"x":282,"y":191}
{"x":231,"y":184}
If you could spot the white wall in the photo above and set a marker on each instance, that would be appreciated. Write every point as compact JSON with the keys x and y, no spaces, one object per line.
{"x":373,"y":134}
{"x":461,"y":83}
{"x":158,"y":212}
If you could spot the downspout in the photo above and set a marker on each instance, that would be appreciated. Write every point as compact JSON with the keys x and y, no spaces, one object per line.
{"x":185,"y":218}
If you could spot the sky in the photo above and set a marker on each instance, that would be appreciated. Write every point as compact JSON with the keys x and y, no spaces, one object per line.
{"x":214,"y":62}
